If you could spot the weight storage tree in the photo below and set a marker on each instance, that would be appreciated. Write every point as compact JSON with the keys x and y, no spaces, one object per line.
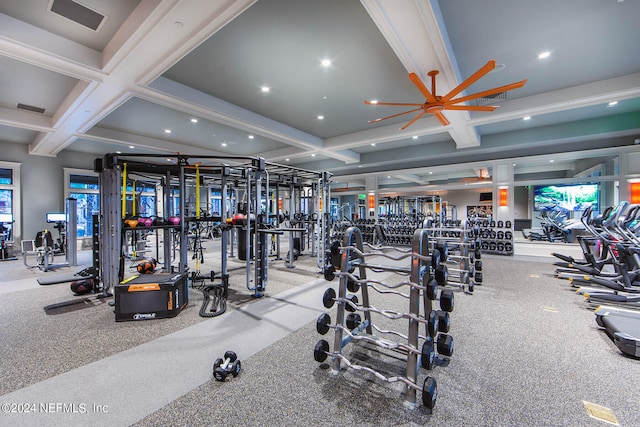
{"x":354,"y":323}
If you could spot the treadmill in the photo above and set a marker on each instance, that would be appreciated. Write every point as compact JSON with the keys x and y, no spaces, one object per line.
{"x":623,"y":327}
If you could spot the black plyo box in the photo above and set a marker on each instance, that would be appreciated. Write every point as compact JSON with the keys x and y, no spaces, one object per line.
{"x":151,"y":296}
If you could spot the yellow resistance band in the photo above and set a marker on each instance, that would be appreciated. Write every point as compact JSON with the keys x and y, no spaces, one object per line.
{"x":124,"y":191}
{"x":133,"y":203}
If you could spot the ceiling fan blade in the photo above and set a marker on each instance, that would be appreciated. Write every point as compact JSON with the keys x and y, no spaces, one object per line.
{"x":413,"y":120}
{"x":442,"y":118}
{"x":395,"y":115}
{"x":416,"y":81}
{"x":490,"y":92}
{"x":471,"y":80}
{"x":471,"y":107}
{"x":393,"y":104}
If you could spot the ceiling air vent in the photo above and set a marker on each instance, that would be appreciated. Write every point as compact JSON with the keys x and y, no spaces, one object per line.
{"x":30,"y":108}
{"x":78,"y":13}
{"x":491,"y":99}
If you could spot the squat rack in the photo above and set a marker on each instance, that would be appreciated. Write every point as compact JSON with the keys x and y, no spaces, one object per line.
{"x":227,"y":171}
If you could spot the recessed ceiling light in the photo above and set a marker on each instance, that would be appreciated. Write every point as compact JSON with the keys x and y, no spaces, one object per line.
{"x":313,"y":154}
{"x":526,"y":118}
{"x":373,"y":144}
{"x":359,"y":166}
{"x":287,"y":159}
{"x":415,"y":137}
{"x":194,"y":120}
{"x":551,"y":161}
{"x":320,"y":117}
{"x":544,"y":54}
{"x":167,"y":131}
{"x":326,"y":62}
{"x":251,"y":136}
{"x":265,"y":89}
{"x":224,"y":144}
{"x":612,"y":103}
{"x":132,"y":147}
{"x":118,"y":152}
{"x":324,"y":97}
{"x":430,"y":173}
{"x":388,"y":176}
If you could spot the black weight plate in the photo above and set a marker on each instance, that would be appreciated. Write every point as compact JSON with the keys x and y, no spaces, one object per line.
{"x":320,"y":351}
{"x":231,"y":356}
{"x":352,"y":285}
{"x":329,"y":298}
{"x":429,"y":392}
{"x":322,"y":324}
{"x":219,"y":374}
{"x":353,"y":321}
{"x":433,"y":323}
{"x":217,"y":363}
{"x":235,"y":368}
{"x":354,"y":301}
{"x":329,"y":273}
{"x":428,"y":356}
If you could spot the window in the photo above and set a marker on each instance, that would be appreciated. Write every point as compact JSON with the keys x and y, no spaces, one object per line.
{"x":215,"y":201}
{"x":83,"y":186}
{"x":10,"y":200}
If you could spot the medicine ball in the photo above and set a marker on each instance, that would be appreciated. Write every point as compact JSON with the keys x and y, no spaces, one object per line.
{"x":81,"y":287}
{"x":146,"y":266}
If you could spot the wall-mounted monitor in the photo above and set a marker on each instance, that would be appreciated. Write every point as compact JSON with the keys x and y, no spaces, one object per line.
{"x":570,"y":197}
{"x":56,"y":217}
{"x":486,"y":197}
{"x":6,"y":218}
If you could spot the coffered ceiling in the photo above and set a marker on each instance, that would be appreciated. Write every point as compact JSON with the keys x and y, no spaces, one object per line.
{"x":190,"y":76}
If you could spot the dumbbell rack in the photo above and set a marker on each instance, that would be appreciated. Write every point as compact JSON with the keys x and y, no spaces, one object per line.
{"x":399,"y":230}
{"x":460,"y":252}
{"x":351,"y":328}
{"x":496,"y":237}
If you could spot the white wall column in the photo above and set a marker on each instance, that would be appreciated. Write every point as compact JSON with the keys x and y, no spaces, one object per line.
{"x":371,"y":186}
{"x":503,"y":180}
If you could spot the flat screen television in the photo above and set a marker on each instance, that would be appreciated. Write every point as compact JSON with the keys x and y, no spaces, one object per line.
{"x":56,"y":217}
{"x":571,"y":197}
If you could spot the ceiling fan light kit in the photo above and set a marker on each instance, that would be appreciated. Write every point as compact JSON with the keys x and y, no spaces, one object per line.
{"x":435,"y":104}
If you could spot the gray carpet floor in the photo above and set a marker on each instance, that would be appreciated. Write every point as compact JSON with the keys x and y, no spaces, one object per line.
{"x":527,"y":352}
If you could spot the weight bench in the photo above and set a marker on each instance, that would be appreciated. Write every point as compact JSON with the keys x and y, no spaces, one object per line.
{"x":85,"y":273}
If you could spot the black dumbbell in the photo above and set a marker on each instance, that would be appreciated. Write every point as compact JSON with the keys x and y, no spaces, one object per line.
{"x":446,"y":300}
{"x":445,"y":344}
{"x":432,"y":288}
{"x":230,"y":364}
{"x":444,"y":321}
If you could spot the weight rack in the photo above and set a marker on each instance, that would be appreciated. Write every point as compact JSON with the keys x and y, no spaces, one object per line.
{"x":460,"y":249}
{"x":351,"y":328}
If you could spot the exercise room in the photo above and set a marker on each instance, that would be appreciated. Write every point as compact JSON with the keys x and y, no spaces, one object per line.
{"x":309,"y":213}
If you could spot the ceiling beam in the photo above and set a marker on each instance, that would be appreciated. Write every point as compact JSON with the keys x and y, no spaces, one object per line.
{"x":158,"y":34}
{"x":412,"y":30}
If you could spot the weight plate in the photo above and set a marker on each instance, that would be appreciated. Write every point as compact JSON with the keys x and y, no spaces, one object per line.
{"x":320,"y":351}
